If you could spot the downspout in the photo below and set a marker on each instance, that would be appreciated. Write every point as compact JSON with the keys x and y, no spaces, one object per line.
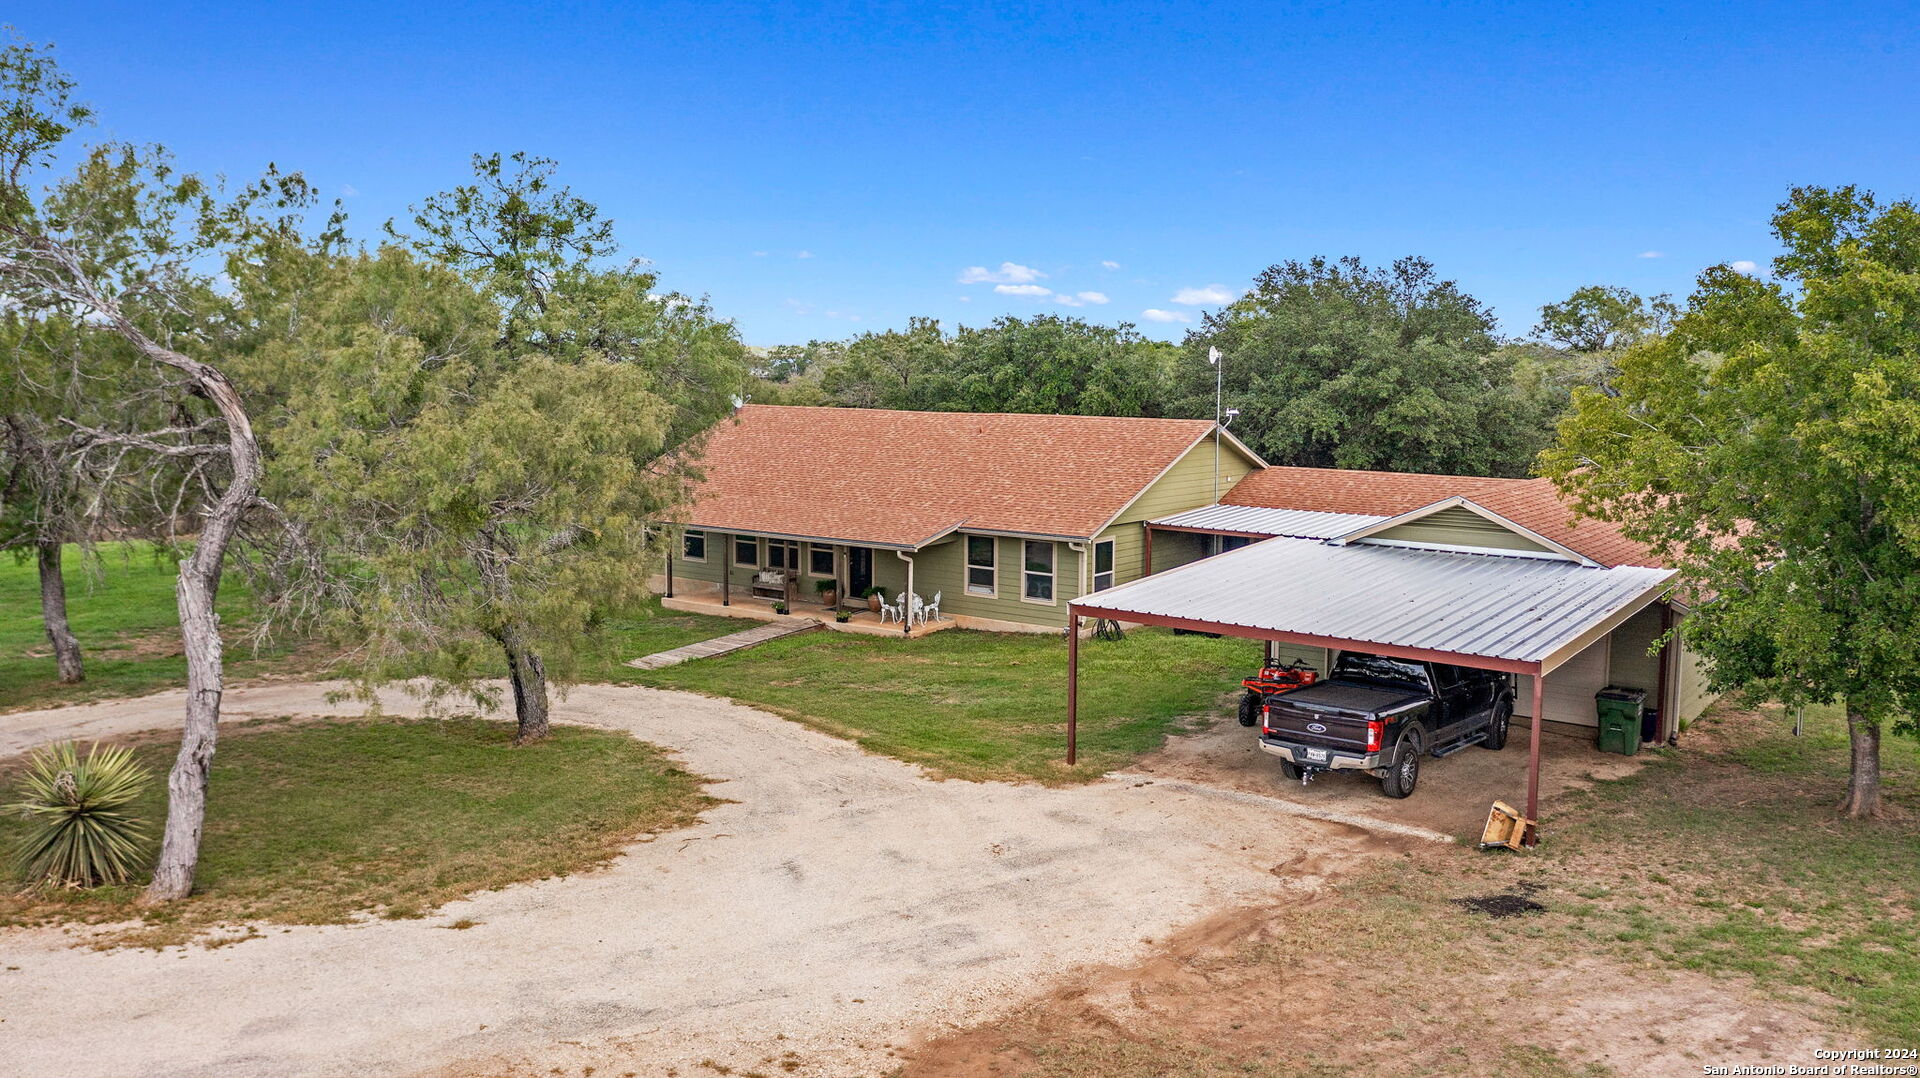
{"x":1081,"y":575}
{"x":671,"y":540}
{"x":906,"y":622}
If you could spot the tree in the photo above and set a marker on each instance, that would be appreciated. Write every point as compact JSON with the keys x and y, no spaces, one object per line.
{"x":125,"y":236}
{"x":910,"y":369}
{"x":1596,"y":324}
{"x":488,"y":425}
{"x":452,"y":538}
{"x":40,"y":504}
{"x":1332,"y":363}
{"x":1766,"y":446}
{"x":1059,"y":366}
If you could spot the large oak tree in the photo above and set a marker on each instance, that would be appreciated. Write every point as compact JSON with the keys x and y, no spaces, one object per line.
{"x":1767,"y":445}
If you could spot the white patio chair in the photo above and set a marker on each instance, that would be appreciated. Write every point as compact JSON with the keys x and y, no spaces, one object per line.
{"x":933,"y":608}
{"x":889,"y":611}
{"x":916,"y":610}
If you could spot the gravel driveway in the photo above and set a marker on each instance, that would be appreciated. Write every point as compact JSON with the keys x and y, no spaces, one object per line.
{"x":840,"y":903}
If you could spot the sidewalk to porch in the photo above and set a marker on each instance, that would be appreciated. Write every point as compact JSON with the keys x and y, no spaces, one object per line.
{"x":863,"y":622}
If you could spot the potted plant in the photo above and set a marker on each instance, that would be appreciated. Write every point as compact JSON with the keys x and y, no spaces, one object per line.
{"x":828,"y":592}
{"x":873,"y":596}
{"x":843,"y":616}
{"x":780,"y":607}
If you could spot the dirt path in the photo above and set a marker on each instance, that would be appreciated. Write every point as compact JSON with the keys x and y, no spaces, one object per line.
{"x":838,"y":904}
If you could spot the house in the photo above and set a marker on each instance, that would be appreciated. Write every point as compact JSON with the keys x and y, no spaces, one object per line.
{"x":1007,"y":518}
{"x":1017,"y":521}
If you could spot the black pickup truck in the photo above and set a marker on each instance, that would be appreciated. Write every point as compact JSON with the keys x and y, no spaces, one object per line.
{"x":1381,"y":715}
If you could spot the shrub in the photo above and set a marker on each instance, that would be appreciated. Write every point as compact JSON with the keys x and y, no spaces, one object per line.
{"x":81,"y":833}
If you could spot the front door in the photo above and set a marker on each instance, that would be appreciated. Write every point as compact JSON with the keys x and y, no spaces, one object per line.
{"x":859,"y":571}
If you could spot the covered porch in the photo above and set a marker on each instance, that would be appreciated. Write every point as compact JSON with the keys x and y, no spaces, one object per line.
{"x":745,"y":574}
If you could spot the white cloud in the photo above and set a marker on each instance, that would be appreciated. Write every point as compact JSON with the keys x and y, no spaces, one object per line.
{"x":804,"y":254}
{"x":1743,"y":266}
{"x":1110,"y":264}
{"x":759,"y":254}
{"x":964,"y":299}
{"x":1200,"y":297}
{"x":798,"y":307}
{"x":1155,"y":314}
{"x":348,"y":190}
{"x":1651,"y":254}
{"x":1008,"y":273}
{"x":1081,"y":299}
{"x":1022,"y":290}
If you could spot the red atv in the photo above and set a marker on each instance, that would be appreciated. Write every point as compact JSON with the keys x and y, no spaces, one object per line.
{"x":1272,"y":678}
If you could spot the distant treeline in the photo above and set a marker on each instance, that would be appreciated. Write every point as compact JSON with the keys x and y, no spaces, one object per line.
{"x":1330,"y":362}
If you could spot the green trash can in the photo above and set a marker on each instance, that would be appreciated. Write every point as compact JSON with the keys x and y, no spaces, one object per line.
{"x":1619,"y":713}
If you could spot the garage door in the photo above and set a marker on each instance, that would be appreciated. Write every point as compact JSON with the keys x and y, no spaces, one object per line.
{"x":1570,"y":688}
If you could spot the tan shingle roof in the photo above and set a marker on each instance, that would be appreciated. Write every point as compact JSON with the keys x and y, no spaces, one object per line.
{"x":1531,"y":503}
{"x":888,"y":478}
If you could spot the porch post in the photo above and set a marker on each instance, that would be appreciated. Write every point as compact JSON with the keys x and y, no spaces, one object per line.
{"x":906,"y":602}
{"x":1533,"y":748}
{"x":1669,"y":722}
{"x":726,"y":570}
{"x":1146,"y":557}
{"x":671,"y":539}
{"x":840,"y":575}
{"x":1073,"y":687}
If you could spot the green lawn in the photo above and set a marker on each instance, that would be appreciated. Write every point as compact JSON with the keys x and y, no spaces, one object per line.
{"x":122,"y":609}
{"x":979,"y":705}
{"x":314,"y":822}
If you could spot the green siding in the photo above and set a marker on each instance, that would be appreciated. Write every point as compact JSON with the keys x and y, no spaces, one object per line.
{"x":943,"y":569}
{"x":1189,"y":484}
{"x":1459,"y":526}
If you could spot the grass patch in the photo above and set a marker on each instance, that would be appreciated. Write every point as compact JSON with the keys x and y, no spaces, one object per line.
{"x":121,"y":607}
{"x":978,"y":705}
{"x":1726,"y":856}
{"x":317,"y":822}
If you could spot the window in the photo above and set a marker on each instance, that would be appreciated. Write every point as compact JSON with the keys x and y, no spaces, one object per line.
{"x":746,"y":551}
{"x":983,"y":578}
{"x":820,"y":560}
{"x":693,"y":546}
{"x":1103,"y":565}
{"x":1037,"y":586}
{"x":783,"y":555}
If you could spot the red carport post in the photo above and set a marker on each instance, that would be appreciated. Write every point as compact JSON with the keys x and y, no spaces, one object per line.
{"x":1533,"y":752}
{"x":1073,"y":687}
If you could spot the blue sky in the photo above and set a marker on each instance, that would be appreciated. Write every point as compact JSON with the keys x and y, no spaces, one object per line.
{"x":837,"y":168}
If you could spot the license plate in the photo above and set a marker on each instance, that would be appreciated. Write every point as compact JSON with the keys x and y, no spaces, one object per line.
{"x":1318,"y":756}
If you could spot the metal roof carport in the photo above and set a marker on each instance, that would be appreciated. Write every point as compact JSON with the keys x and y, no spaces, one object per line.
{"x":1520,"y":614}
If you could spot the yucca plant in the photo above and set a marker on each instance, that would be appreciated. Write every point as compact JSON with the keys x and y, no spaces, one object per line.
{"x":81,"y":832}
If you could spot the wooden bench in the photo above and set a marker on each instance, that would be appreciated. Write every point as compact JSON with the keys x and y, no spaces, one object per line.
{"x":770,"y":584}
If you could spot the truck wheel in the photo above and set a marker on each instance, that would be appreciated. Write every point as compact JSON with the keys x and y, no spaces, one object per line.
{"x":1290,"y":771}
{"x":1405,"y":772}
{"x":1250,"y":710}
{"x":1497,"y":729}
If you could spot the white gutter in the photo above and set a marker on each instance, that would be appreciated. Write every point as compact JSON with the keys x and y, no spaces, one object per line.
{"x":1081,"y":549}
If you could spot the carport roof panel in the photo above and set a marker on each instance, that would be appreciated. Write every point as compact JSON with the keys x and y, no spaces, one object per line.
{"x":1259,"y":520}
{"x":1472,"y":605}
